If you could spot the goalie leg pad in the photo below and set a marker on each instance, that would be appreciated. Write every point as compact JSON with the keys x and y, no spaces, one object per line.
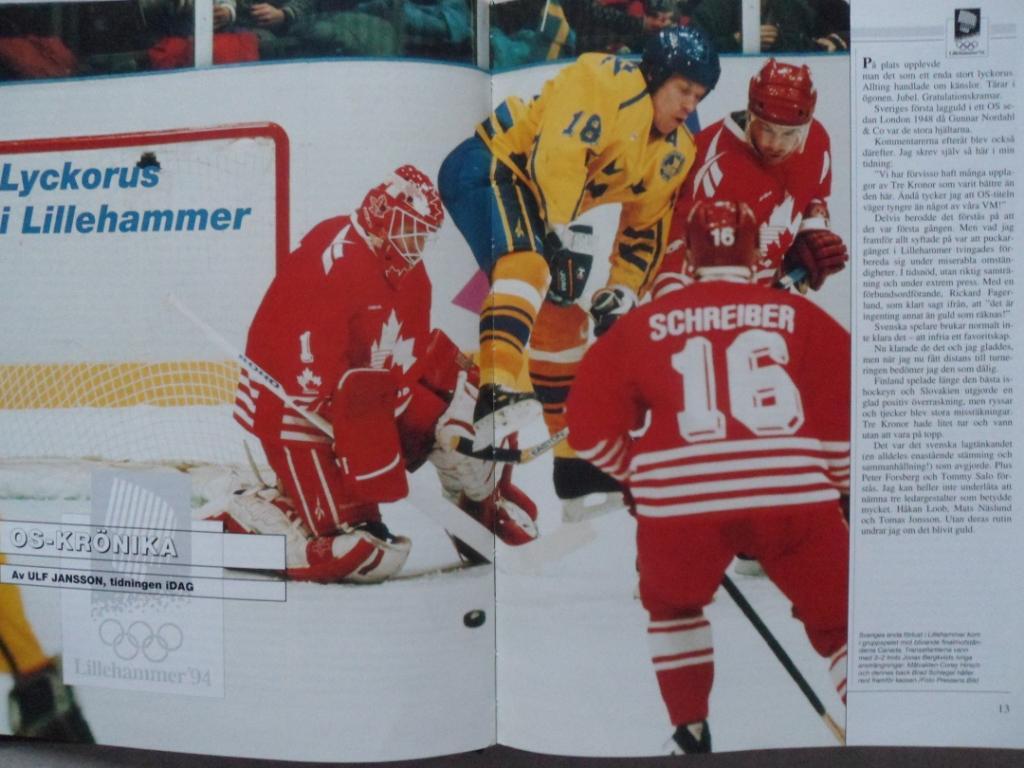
{"x":362,"y":553}
{"x":314,"y":485}
{"x":366,"y":554}
{"x":262,"y":511}
{"x":503,"y":517}
{"x":366,"y":439}
{"x":461,"y":474}
{"x":508,"y":511}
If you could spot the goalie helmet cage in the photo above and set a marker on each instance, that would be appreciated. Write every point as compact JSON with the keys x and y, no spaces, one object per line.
{"x":94,"y":364}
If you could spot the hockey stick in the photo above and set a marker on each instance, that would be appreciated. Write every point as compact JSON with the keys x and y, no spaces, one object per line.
{"x":780,"y":653}
{"x":510,"y":455}
{"x":252,"y":367}
{"x":452,"y":519}
{"x":791,"y":279}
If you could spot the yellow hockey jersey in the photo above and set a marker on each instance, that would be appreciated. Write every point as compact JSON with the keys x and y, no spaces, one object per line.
{"x":585,"y":141}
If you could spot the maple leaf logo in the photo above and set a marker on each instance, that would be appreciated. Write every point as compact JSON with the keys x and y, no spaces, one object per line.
{"x":378,"y":204}
{"x":392,"y":345}
{"x":780,"y":222}
{"x":309,"y":382}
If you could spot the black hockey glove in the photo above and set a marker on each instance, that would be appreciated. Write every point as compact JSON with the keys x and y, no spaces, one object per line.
{"x":608,"y":304}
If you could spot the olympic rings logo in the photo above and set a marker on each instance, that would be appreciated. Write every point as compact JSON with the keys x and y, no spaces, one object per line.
{"x":967,"y":45}
{"x":127,"y":644}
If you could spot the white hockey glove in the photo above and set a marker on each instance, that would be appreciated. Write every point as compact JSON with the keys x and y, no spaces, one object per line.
{"x":460,"y":473}
{"x":610,"y":303}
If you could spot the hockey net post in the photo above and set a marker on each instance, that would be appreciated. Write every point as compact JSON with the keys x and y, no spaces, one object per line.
{"x":99,"y":228}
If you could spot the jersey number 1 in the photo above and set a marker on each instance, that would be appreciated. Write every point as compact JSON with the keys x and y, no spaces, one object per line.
{"x":762,"y":396}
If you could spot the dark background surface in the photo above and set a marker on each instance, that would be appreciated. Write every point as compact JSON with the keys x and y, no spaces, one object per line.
{"x":16,"y":753}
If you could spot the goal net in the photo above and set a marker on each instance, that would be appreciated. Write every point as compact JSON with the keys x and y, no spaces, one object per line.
{"x":97,"y":233}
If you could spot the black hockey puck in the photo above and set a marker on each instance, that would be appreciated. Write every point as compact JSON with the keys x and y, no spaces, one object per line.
{"x":474,"y":618}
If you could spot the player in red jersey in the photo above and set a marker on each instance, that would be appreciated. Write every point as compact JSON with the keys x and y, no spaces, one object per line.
{"x":345,"y":329}
{"x":745,"y":393}
{"x":776,"y":158}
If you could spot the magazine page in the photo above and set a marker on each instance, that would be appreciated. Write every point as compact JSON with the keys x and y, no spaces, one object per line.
{"x":219,"y":291}
{"x":936,"y":615}
{"x":605,"y":635}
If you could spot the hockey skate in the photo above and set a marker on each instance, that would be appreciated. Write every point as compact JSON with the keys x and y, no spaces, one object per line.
{"x":500,"y":412}
{"x":691,"y":739}
{"x":42,"y":706}
{"x":585,"y":491}
{"x":361,"y":553}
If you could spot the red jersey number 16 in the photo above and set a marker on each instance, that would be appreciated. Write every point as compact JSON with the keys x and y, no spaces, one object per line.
{"x":762,"y":396}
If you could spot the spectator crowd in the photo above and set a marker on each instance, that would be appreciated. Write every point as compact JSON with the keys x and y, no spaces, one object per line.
{"x":88,"y":38}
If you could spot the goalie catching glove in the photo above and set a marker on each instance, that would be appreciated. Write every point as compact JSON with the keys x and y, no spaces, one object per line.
{"x":820,"y":252}
{"x":473,"y":484}
{"x":608,"y":304}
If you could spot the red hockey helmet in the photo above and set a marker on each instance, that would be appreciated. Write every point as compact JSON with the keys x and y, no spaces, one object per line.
{"x":783,"y":94}
{"x":721,"y":233}
{"x":400,"y":215}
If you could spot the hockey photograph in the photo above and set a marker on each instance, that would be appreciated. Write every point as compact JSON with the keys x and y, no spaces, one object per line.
{"x":702,"y":373}
{"x":417,"y":407}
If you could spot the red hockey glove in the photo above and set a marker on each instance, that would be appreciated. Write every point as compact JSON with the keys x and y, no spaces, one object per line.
{"x":820,"y":252}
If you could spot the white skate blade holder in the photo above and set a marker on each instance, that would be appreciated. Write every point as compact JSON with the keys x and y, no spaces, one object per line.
{"x":591,"y":506}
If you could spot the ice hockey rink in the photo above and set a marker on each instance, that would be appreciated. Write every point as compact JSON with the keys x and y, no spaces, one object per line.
{"x":348,"y":664}
{"x":362,"y":673}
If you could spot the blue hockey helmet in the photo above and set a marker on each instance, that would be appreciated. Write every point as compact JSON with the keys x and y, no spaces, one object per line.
{"x":682,"y":50}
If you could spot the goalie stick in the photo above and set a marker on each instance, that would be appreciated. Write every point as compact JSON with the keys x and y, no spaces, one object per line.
{"x":780,"y":653}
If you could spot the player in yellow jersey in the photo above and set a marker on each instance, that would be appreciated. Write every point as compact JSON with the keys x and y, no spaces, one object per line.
{"x":604,"y":130}
{"x":39,"y":704}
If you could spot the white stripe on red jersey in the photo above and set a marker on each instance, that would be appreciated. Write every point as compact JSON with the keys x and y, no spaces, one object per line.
{"x":680,"y":643}
{"x":735,"y":474}
{"x":611,"y":458}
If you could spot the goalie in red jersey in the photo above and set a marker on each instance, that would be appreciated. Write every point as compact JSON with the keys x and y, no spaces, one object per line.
{"x":344,"y":328}
{"x":777,"y":159}
{"x":745,"y":393}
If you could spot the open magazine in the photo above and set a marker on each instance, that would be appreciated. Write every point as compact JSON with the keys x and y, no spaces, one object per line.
{"x":360,"y":409}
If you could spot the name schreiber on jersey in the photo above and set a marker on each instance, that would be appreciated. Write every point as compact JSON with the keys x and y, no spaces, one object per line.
{"x":682,"y":322}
